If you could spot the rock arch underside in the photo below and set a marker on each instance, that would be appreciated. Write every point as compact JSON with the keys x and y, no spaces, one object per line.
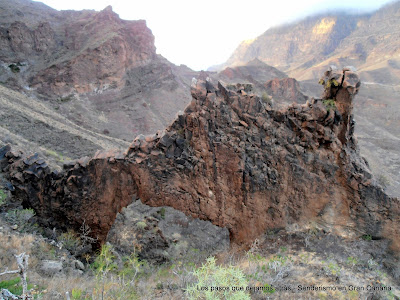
{"x":230,"y":159}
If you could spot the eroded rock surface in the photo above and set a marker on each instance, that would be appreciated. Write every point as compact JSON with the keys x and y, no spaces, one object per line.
{"x":229,"y":159}
{"x":163,"y":233}
{"x":285,"y":89}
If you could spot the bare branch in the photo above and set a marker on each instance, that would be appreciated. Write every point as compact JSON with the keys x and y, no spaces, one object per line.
{"x":9,"y":272}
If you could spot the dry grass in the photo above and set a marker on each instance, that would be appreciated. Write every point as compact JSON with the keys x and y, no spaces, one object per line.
{"x":278,"y":260}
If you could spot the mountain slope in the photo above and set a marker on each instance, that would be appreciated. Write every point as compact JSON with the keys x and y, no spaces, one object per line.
{"x":371,"y":43}
{"x":100,"y":72}
{"x":305,"y":48}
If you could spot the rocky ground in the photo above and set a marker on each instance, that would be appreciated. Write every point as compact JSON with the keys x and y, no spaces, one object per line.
{"x":281,"y":264}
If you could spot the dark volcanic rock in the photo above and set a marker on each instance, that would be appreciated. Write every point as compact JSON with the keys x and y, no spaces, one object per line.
{"x":163,"y":233}
{"x":231,"y":160}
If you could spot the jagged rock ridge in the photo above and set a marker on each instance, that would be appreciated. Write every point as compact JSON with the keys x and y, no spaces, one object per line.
{"x":229,"y":159}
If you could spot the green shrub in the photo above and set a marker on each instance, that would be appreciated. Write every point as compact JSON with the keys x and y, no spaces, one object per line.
{"x":76,"y":294}
{"x":266,"y":99}
{"x":141,"y":225}
{"x":13,"y":285}
{"x":329,"y":83}
{"x":329,"y":104}
{"x":70,"y":240}
{"x":278,"y":261}
{"x":104,"y":262}
{"x":162,"y":213}
{"x":352,"y":261}
{"x":210,"y":275}
{"x":3,"y":197}
{"x":367,"y":237}
{"x":132,"y":266}
{"x":14,"y":68}
{"x":383,"y":180}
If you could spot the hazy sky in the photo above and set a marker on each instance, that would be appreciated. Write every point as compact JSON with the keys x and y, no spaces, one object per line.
{"x":204,"y":33}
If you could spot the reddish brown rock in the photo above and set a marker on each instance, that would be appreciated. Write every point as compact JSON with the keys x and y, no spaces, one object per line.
{"x":285,"y":167}
{"x":285,"y":89}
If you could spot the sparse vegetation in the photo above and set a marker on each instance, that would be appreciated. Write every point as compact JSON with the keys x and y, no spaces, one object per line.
{"x":367,"y":237}
{"x":19,"y":218}
{"x":70,"y":240}
{"x":329,"y":83}
{"x":141,"y":225}
{"x":58,"y":156}
{"x":329,"y":104}
{"x":66,"y":98}
{"x":15,"y":68}
{"x":383,"y":180}
{"x":113,"y":277}
{"x":3,"y":197}
{"x":162,"y":213}
{"x":352,"y":261}
{"x":215,"y":282}
{"x":266,"y":99}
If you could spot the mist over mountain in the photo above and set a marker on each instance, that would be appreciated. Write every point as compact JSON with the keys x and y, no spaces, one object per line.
{"x":370,"y":43}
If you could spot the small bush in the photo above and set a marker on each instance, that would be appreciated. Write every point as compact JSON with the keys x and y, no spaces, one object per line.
{"x":162,"y":213}
{"x":331,"y":268}
{"x":367,"y":237}
{"x":141,"y":225}
{"x":329,"y":104}
{"x":104,"y":262}
{"x":329,"y":83}
{"x":3,"y":197}
{"x":210,"y":275}
{"x":66,"y":98}
{"x":76,"y":294}
{"x":266,"y":99}
{"x":352,"y":261}
{"x":70,"y":240}
{"x":383,"y":180}
{"x":14,"y":68}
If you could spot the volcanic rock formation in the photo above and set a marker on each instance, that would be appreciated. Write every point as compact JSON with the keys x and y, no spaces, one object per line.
{"x":230,"y":159}
{"x":285,"y":89}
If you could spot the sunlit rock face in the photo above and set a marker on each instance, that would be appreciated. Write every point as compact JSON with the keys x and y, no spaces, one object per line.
{"x":229,"y":159}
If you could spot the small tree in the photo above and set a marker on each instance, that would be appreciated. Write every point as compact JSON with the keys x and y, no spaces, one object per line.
{"x":103,"y":264}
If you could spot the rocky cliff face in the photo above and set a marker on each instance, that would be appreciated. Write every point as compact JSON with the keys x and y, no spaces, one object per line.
{"x":254,"y":70}
{"x":305,"y":48}
{"x":85,"y":52}
{"x":229,"y":159}
{"x":265,"y":79}
{"x":97,"y":70}
{"x":285,"y":90}
{"x":369,"y":42}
